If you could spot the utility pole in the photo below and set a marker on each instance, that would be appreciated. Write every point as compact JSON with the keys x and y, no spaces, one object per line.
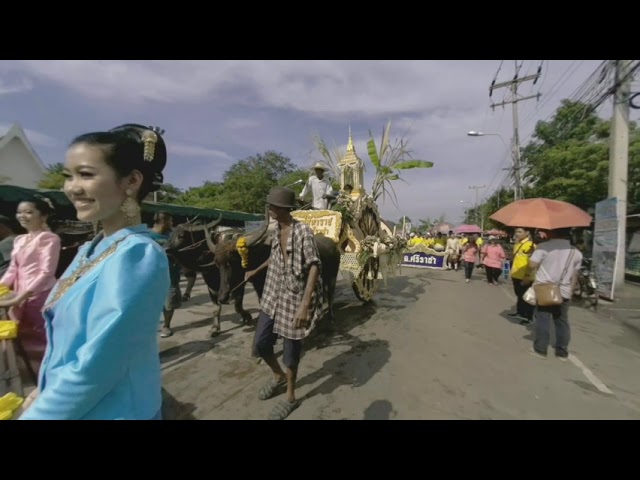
{"x":477,"y":188}
{"x":513,"y":86}
{"x":619,"y":160}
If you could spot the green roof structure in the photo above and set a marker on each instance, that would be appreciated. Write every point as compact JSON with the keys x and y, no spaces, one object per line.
{"x":11,"y":195}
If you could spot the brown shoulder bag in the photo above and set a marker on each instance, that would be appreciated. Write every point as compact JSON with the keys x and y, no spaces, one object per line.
{"x":548,"y":294}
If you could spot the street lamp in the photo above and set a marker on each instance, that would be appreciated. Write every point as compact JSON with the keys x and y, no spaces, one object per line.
{"x":473,"y":133}
{"x":516,"y":159}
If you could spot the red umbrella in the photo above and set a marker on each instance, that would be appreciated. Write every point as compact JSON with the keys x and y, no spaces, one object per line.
{"x":542,"y":213}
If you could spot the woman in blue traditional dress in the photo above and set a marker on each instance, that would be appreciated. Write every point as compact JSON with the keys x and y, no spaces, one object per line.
{"x":102,"y":359}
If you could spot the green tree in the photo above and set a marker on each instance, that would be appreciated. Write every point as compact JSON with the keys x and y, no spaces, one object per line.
{"x":289,"y":180}
{"x":167,"y":194}
{"x":206,"y":196}
{"x":53,"y":178}
{"x":247,"y":182}
{"x":568,"y":158}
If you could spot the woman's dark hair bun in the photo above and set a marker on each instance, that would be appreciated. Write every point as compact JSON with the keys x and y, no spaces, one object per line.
{"x":155,"y":150}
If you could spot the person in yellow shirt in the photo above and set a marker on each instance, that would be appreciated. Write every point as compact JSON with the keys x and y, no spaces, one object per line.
{"x":440,"y":242}
{"x":428,"y":241}
{"x":522,"y":251}
{"x":415,"y":240}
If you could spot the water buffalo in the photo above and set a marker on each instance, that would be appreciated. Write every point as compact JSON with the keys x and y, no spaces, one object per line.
{"x":258,"y":249}
{"x":72,"y":236}
{"x":188,"y":245}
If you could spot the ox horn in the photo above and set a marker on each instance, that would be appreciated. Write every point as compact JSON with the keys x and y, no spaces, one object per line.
{"x":210,"y":244}
{"x":198,"y":228}
{"x":258,"y":235}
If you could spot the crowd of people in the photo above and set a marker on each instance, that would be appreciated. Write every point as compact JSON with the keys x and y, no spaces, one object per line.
{"x":539,"y":258}
{"x":91,"y":335}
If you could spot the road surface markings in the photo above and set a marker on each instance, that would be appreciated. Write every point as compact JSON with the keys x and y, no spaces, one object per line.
{"x":586,"y":372}
{"x":589,"y":374}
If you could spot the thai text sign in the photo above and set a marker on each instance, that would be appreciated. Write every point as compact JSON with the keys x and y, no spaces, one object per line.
{"x":605,"y":245}
{"x":325,"y":222}
{"x":423,"y":260}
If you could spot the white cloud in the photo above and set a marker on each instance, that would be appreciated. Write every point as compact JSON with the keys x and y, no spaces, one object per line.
{"x":7,"y":87}
{"x":260,"y":105}
{"x":196,"y":151}
{"x":242,"y":123}
{"x":315,"y":87}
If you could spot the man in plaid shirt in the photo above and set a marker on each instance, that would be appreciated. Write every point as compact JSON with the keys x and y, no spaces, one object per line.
{"x":292,"y":299}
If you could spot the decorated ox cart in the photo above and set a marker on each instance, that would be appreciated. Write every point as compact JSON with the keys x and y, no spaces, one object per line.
{"x":369,"y":252}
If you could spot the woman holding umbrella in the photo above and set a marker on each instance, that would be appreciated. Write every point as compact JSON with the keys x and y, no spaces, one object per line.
{"x":555,"y":264}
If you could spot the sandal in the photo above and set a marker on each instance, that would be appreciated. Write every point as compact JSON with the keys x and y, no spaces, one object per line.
{"x":283,"y":409}
{"x":270,"y":388}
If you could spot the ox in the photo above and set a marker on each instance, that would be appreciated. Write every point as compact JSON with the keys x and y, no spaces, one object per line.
{"x":72,"y":236}
{"x":188,"y":245}
{"x":258,"y":248}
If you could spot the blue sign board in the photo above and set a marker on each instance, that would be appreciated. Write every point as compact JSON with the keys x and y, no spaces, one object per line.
{"x":423,"y":260}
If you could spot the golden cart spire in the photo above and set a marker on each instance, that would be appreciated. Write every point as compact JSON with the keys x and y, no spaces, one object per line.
{"x":352,"y":170}
{"x":350,"y":147}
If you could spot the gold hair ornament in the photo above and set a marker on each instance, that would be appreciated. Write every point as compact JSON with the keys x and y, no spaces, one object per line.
{"x":149,"y":138}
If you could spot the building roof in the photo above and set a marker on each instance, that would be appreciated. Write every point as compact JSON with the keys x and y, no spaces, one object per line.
{"x":16,"y":131}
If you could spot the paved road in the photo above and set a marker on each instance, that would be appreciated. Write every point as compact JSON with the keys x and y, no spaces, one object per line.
{"x":431,"y":347}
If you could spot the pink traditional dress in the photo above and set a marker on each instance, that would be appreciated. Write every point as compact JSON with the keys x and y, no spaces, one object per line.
{"x":34,"y":260}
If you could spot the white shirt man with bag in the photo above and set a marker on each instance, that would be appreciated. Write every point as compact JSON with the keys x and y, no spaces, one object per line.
{"x":555,"y":261}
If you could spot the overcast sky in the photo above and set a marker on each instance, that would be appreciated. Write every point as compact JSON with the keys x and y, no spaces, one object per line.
{"x":218,"y":112}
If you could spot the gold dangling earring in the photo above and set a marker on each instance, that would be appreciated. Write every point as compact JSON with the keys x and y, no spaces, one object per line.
{"x":131,"y":210}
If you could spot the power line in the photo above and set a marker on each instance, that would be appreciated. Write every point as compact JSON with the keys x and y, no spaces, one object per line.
{"x":513,"y":86}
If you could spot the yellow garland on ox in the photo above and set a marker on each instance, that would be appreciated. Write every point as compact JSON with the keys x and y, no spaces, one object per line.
{"x":243,"y":251}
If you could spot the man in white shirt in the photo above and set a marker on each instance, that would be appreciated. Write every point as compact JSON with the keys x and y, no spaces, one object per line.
{"x":319,"y":187}
{"x":555,"y":261}
{"x":453,"y":251}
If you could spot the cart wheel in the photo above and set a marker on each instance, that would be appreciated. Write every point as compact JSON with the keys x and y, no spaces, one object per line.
{"x":366,"y":285}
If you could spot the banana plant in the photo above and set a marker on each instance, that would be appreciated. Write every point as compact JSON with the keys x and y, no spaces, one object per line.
{"x":388,"y":162}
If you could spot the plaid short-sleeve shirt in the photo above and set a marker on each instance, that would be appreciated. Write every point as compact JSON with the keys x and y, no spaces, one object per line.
{"x":285,"y":284}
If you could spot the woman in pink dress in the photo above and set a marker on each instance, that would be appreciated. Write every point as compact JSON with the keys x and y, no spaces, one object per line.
{"x":31,"y":275}
{"x":470,"y":252}
{"x":493,"y":257}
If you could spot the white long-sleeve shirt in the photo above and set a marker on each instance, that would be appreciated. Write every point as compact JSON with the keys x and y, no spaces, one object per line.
{"x":317,"y":188}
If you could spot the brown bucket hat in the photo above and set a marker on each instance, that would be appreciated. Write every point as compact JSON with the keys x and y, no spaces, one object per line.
{"x":282,"y":197}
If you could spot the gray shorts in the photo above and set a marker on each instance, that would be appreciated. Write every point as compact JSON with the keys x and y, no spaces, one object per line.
{"x":265,"y":339}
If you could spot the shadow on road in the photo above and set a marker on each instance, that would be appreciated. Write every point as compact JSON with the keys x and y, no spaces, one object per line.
{"x":174,"y":410}
{"x":379,"y":410}
{"x":406,"y":287}
{"x":205,"y":322}
{"x":354,"y":367}
{"x":185,"y":352}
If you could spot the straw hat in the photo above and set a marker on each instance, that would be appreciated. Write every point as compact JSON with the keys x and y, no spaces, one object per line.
{"x":320,"y":166}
